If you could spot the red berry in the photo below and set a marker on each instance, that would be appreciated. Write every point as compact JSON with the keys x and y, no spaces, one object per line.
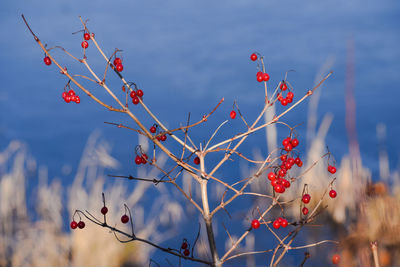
{"x":117,"y":61}
{"x":332,"y":193}
{"x":143,"y":159}
{"x":67,"y":99}
{"x":124,"y":218}
{"x":86,"y":36}
{"x":139,"y":93}
{"x":283,"y":86}
{"x":284,"y":102}
{"x":281,"y":172}
{"x":196,"y":160}
{"x":283,"y":157}
{"x":285,"y":183}
{"x":104,"y":210}
{"x":253,"y":57}
{"x":276,"y":224}
{"x":295,"y":142}
{"x":291,"y":161}
{"x":260,"y":78}
{"x":81,"y":224}
{"x":279,"y":188}
{"x":274,"y":182}
{"x":335,"y":258}
{"x":289,"y":100}
{"x":138,"y":160}
{"x":119,"y":67}
{"x":306,"y":198}
{"x":286,"y":141}
{"x":184,"y":245}
{"x":73,"y":98}
{"x":255,"y":224}
{"x":153,"y":129}
{"x":289,"y":147}
{"x":284,"y":223}
{"x":290,"y":95}
{"x":84,"y":44}
{"x":297,"y":160}
{"x":265,"y":77}
{"x":64,"y":94}
{"x":304,"y":211}
{"x":186,"y":252}
{"x":271,"y":176}
{"x":135,"y":100}
{"x":163,"y":137}
{"x":132,"y":94}
{"x":74,"y":224}
{"x":47,"y":61}
{"x":332,"y":169}
{"x":77,"y":99}
{"x":300,"y":163}
{"x":71,"y":92}
{"x":233,"y":114}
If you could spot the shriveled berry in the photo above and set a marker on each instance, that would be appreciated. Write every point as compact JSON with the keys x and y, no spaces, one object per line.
{"x":47,"y":61}
{"x":253,"y":57}
{"x":81,"y":224}
{"x":304,"y":210}
{"x":232,"y":114}
{"x":255,"y":224}
{"x":138,"y":160}
{"x":119,"y":67}
{"x":86,"y":36}
{"x":332,"y":193}
{"x":84,"y":44}
{"x":104,"y":210}
{"x":196,"y":160}
{"x":73,"y":224}
{"x":184,"y":245}
{"x":186,"y":252}
{"x":306,"y":198}
{"x":124,"y":218}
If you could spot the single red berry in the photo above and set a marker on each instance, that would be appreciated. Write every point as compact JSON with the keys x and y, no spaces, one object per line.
{"x":281,"y":172}
{"x":305,"y":210}
{"x":300,"y":164}
{"x":117,"y":61}
{"x":271,"y":176}
{"x":73,"y":98}
{"x":283,"y":86}
{"x":285,"y":183}
{"x":306,"y":198}
{"x":280,"y":97}
{"x":133,"y":93}
{"x":289,"y":147}
{"x":233,"y":114}
{"x":276,"y":224}
{"x":84,"y":44}
{"x":291,"y":161}
{"x":284,"y":223}
{"x":297,"y":160}
{"x":135,"y":100}
{"x":47,"y":61}
{"x":279,"y":188}
{"x":104,"y":210}
{"x":81,"y":224}
{"x":153,"y":129}
{"x":77,"y":99}
{"x":184,"y":245}
{"x":284,"y":102}
{"x":186,"y":252}
{"x":196,"y":160}
{"x":288,"y":166}
{"x":74,"y":224}
{"x":290,"y":95}
{"x":274,"y":182}
{"x":139,"y":93}
{"x":332,"y":193}
{"x":332,"y":169}
{"x":295,"y":142}
{"x":124,"y":218}
{"x":86,"y":36}
{"x":119,"y":67}
{"x":283,"y":157}
{"x":253,"y":57}
{"x":64,"y":94}
{"x":260,"y":78}
{"x":67,"y":99}
{"x":265,"y":77}
{"x":289,"y":100}
{"x":255,"y":224}
{"x":138,"y":160}
{"x":163,"y":137}
{"x":71,"y":92}
{"x":335,"y":258}
{"x":286,"y":141}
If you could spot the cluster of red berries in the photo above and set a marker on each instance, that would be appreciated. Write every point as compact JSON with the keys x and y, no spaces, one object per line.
{"x":135,"y":95}
{"x":71,"y":96}
{"x":305,"y":199}
{"x":289,"y":96}
{"x":75,"y":224}
{"x":86,"y":37}
{"x":118,"y":64}
{"x":153,"y":129}
{"x":47,"y":60}
{"x":141,"y":159}
{"x":331,"y":169}
{"x":262,"y":76}
{"x":289,"y":143}
{"x":280,"y":222}
{"x":185,"y":248}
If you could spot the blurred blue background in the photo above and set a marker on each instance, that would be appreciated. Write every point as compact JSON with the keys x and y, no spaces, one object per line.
{"x":186,"y":56}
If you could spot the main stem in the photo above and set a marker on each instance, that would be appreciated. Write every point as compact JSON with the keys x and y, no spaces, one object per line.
{"x":207,"y":216}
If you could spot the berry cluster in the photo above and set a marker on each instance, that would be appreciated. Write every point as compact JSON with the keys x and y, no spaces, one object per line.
{"x":280,"y":222}
{"x":75,"y":224}
{"x":262,"y":76}
{"x":86,"y":37}
{"x":135,"y":95}
{"x":71,"y":96}
{"x":141,"y":156}
{"x":288,"y":99}
{"x":154,"y":128}
{"x":305,"y":199}
{"x":185,"y":247}
{"x":118,"y":64}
